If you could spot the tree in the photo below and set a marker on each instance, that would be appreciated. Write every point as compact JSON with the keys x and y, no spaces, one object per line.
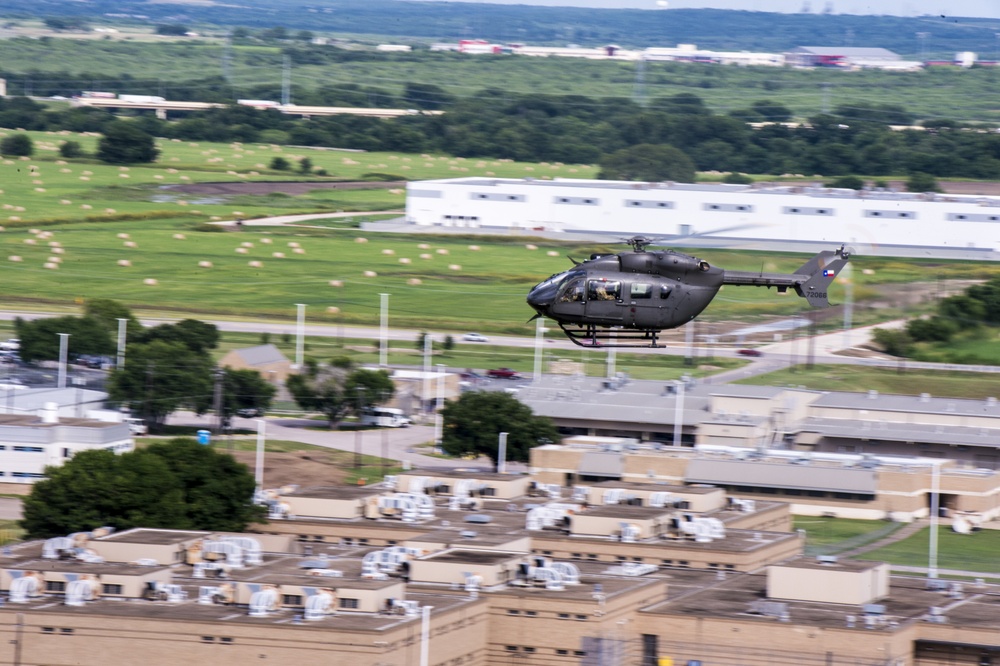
{"x":895,"y":342}
{"x":108,"y":312}
{"x":305,"y":165}
{"x":473,"y":423}
{"x":280,"y":164}
{"x":125,"y":143}
{"x":922,"y":182}
{"x":159,"y":378}
{"x":426,"y":96}
{"x":178,"y":484}
{"x":196,"y":335}
{"x":771,"y":111}
{"x":17,"y":145}
{"x":649,"y":163}
{"x":368,"y":387}
{"x":321,"y":392}
{"x":246,"y":389}
{"x":40,"y":338}
{"x":735,"y":178}
{"x":847,"y":183}
{"x":932,"y":329}
{"x":172,"y":29}
{"x":70,"y":149}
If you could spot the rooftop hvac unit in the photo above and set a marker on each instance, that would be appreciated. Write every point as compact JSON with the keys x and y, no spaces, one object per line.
{"x":24,"y":587}
{"x":319,"y":605}
{"x":263,"y":601}
{"x":479,"y":519}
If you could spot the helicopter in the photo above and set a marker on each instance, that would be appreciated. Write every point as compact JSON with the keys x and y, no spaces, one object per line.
{"x":626,"y":299}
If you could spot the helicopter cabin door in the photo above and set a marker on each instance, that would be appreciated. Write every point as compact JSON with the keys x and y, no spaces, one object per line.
{"x":604,"y":301}
{"x":644,"y":304}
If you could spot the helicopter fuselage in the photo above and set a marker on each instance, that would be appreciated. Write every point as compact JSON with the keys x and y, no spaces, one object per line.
{"x":631,"y":290}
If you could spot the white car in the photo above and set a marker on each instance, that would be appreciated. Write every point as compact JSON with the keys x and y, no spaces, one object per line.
{"x":11,"y":345}
{"x":475,"y":337}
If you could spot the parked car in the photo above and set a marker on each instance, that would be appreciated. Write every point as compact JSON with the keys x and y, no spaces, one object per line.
{"x":250,"y":412}
{"x":136,"y":426}
{"x":503,"y":373}
{"x":750,"y":352}
{"x":11,"y":345}
{"x":475,"y":337}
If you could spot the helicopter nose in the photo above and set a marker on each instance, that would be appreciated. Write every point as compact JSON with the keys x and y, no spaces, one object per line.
{"x":542,"y":296}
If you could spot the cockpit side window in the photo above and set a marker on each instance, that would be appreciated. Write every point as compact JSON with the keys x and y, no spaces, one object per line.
{"x":573,"y":292}
{"x":603,"y":290}
{"x":641,"y":290}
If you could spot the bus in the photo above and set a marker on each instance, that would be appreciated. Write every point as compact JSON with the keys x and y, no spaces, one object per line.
{"x":384,"y":417}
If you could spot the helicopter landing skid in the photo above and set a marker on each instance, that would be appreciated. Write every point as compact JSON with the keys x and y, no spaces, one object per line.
{"x":593,"y":337}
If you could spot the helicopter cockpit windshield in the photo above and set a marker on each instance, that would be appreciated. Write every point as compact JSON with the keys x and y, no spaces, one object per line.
{"x":545,"y":292}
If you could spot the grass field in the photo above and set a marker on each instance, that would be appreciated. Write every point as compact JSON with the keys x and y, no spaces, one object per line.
{"x":963,"y":552}
{"x":823,"y":531}
{"x":901,"y":382}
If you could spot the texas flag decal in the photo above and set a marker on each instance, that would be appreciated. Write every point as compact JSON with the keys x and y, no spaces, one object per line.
{"x":828,"y":273}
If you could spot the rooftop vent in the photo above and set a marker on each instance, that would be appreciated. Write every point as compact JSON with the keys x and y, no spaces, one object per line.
{"x":468,"y":534}
{"x":827,"y":559}
{"x":478,"y":518}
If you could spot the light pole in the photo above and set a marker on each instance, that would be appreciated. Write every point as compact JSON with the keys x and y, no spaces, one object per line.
{"x":259,"y":462}
{"x":218,"y":374}
{"x":120,"y":359}
{"x":63,"y":351}
{"x":359,"y":391}
{"x":300,"y":329}
{"x":438,"y":424}
{"x":383,"y":347}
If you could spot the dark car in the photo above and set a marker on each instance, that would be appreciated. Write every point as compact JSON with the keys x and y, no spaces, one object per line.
{"x":250,"y":412}
{"x":750,"y":352}
{"x":503,"y":373}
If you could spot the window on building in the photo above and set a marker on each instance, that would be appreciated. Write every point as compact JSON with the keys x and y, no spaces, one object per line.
{"x":67,"y":630}
{"x":529,"y":649}
{"x":531,"y":613}
{"x":29,"y":449}
{"x":111,"y":589}
{"x":581,"y":617}
{"x":563,"y":616}
{"x":291,"y":600}
{"x":349,"y":603}
{"x":562,"y":652}
{"x":650,"y":650}
{"x":55,"y":586}
{"x":48,"y":630}
{"x":511,"y":648}
{"x":208,"y":639}
{"x":511,"y":611}
{"x":226,"y":640}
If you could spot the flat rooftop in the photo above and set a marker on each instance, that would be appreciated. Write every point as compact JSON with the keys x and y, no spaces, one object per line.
{"x":339,"y":492}
{"x":154,"y":537}
{"x":482,"y":557}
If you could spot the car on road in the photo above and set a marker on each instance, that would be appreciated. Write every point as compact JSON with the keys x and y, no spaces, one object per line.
{"x":249,"y":412}
{"x":475,"y":337}
{"x":750,"y":352}
{"x":503,"y":373}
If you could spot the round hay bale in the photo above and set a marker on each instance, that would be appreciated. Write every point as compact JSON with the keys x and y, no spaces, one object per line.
{"x":404,"y":260}
{"x":441,"y":250}
{"x":529,"y":246}
{"x":336,"y":283}
{"x":266,"y":241}
{"x":370,"y":274}
{"x":179,"y":236}
{"x":123,"y":235}
{"x":58,"y":250}
{"x":454,"y":267}
{"x":49,"y":265}
{"x":150,"y":282}
{"x":333,"y":309}
{"x":54,"y":260}
{"x":65,"y":202}
{"x":425,"y":256}
{"x":360,"y":240}
{"x":204,"y":264}
{"x":413,"y":282}
{"x":110,"y":210}
{"x":130,"y":244}
{"x":552,"y":253}
{"x":424,"y":246}
{"x":256,"y":264}
{"x":14,"y":257}
{"x":293,"y":244}
{"x":241,"y":250}
{"x":86,"y":207}
{"x":474,"y":248}
{"x":29,"y":241}
{"x":387,"y":251}
{"x":54,"y":243}
{"x":298,"y":250}
{"x":124,"y":262}
{"x":278,"y":255}
{"x":246,"y":244}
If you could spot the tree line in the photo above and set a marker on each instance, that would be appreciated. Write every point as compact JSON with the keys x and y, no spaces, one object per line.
{"x":575,"y":129}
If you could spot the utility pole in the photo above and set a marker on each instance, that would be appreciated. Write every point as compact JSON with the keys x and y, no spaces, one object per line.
{"x":120,"y":360}
{"x":359,"y":391}
{"x":286,"y":81}
{"x":383,"y":331}
{"x":63,"y":349}
{"x":218,"y":375}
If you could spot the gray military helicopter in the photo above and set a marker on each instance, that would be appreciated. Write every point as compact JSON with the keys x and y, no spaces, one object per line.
{"x":626,"y":299}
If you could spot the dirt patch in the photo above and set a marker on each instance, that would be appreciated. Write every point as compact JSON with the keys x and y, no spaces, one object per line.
{"x":306,"y":468}
{"x":292,"y":188}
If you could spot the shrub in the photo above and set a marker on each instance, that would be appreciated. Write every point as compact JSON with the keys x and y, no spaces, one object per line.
{"x":70,"y":149}
{"x":280,"y":164}
{"x":19,"y":145}
{"x":737,"y":179}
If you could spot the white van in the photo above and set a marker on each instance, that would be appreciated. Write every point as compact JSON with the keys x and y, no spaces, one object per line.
{"x":136,"y":426}
{"x":384,"y":417}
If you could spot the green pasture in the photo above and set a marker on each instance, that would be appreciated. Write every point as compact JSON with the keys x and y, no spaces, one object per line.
{"x":825,"y":531}
{"x":899,"y":381}
{"x":964,"y":552}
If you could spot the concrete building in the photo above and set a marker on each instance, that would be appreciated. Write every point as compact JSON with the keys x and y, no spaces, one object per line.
{"x":782,"y":217}
{"x":847,"y":57}
{"x":462,"y":570}
{"x":29,"y":442}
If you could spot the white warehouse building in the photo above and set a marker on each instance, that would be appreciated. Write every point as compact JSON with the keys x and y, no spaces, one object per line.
{"x":790,"y":218}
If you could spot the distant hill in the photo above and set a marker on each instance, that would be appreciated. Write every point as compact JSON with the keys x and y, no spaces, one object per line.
{"x":449,"y":21}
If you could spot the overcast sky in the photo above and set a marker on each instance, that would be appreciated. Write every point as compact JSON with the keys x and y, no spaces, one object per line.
{"x":982,"y":8}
